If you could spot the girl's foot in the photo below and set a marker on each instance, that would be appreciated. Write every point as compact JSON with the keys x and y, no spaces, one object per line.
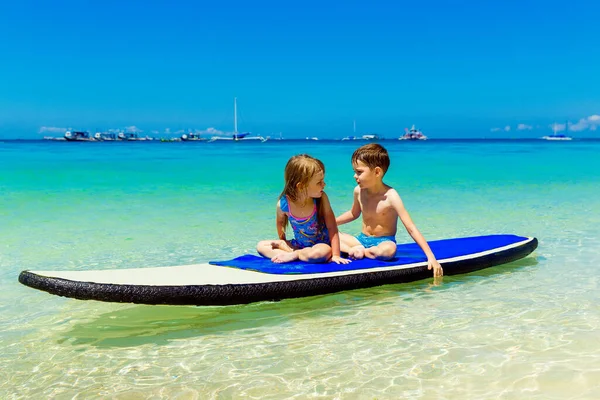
{"x":285,"y":257}
{"x":281,"y":244}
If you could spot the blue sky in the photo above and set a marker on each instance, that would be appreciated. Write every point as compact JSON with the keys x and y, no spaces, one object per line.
{"x":456,"y":69}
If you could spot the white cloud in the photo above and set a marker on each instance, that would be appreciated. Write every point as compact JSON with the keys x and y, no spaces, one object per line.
{"x":507,"y":128}
{"x":524,"y":127}
{"x":558,"y":127}
{"x":495,"y":129}
{"x":133,"y":129}
{"x":212,"y":131}
{"x":592,"y":122}
{"x":579,"y":126}
{"x":52,"y":129}
{"x":594,"y":118}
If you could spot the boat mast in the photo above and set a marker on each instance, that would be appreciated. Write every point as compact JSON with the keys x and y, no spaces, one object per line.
{"x":235,"y":115}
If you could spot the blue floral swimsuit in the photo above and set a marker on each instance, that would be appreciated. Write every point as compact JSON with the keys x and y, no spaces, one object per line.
{"x":307,"y":231}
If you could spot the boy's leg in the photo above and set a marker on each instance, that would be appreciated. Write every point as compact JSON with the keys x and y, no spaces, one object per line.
{"x":349,"y":244}
{"x":383,"y":251}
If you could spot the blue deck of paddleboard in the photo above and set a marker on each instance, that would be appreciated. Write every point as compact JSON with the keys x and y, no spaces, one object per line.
{"x":406,"y":254}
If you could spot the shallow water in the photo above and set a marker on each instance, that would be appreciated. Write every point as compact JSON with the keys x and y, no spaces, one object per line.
{"x":523,"y":330}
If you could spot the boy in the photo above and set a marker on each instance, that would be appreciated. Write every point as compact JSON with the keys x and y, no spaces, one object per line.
{"x":380,"y":206}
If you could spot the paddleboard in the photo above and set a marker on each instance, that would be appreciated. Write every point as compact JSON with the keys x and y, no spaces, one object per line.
{"x":250,"y":278}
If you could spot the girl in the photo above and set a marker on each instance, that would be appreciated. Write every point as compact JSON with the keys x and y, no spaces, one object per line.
{"x":304,"y":204}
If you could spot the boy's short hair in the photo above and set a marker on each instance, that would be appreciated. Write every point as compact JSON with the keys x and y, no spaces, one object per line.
{"x":372,"y":155}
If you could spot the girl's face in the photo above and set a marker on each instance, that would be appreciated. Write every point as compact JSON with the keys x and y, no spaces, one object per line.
{"x":316,"y":185}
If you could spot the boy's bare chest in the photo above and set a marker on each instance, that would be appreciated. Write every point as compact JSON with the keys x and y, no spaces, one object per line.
{"x":375,"y":206}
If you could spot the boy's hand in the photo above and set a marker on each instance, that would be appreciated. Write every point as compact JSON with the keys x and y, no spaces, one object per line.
{"x":340,"y":260}
{"x":437,"y":268}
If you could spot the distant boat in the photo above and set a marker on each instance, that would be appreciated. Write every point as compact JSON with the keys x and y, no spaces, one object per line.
{"x":368,"y":136}
{"x":78,"y":136}
{"x":105,"y":137}
{"x":132,"y":137}
{"x":558,"y":136}
{"x":413,"y":134}
{"x":312,"y":138}
{"x":236,"y":136}
{"x":191,"y":137}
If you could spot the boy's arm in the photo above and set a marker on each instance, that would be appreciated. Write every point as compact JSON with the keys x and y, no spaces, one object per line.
{"x":354,"y":212}
{"x":280,"y":221}
{"x":415,"y":234}
{"x":334,"y":235}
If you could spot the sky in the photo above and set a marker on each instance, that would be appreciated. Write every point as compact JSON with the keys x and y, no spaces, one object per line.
{"x":453,"y":68}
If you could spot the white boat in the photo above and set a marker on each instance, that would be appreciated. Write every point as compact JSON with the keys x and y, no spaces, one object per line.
{"x":236,"y":136}
{"x":191,"y":137}
{"x":413,"y":134}
{"x":78,"y":136}
{"x":105,"y":137}
{"x":368,"y":136}
{"x":132,"y":137}
{"x":558,"y":136}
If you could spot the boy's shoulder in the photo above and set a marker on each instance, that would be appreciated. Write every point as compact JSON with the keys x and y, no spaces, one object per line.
{"x":388,"y":191}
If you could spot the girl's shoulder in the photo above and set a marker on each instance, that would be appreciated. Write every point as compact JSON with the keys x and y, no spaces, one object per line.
{"x":283,"y":204}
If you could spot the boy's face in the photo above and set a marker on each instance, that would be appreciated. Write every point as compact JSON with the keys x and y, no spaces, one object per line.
{"x":365,"y":176}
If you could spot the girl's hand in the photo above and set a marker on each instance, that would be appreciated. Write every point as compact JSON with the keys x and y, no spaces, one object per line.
{"x":340,"y":260}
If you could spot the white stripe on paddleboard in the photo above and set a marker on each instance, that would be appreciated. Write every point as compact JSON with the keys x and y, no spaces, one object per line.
{"x":206,"y":274}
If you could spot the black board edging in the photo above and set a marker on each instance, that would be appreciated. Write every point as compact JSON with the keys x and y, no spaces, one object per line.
{"x":230,"y":294}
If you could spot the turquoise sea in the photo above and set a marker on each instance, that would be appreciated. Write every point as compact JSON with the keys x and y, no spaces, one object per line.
{"x":525,"y":330}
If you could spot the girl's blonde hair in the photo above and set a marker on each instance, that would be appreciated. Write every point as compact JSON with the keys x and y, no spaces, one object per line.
{"x":300,"y":169}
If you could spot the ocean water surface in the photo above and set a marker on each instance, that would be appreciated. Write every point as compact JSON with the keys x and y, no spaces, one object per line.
{"x":528,"y":329}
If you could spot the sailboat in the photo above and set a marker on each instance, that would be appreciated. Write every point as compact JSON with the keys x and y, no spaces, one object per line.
{"x":368,"y":136}
{"x":558,"y":136}
{"x":236,"y":136}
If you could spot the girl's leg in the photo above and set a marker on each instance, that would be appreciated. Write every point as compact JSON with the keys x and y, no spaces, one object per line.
{"x":272,"y":248}
{"x":318,"y":253}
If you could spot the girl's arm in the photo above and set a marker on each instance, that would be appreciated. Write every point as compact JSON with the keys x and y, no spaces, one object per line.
{"x":353,"y":213}
{"x":280,"y":221}
{"x":334,"y":235}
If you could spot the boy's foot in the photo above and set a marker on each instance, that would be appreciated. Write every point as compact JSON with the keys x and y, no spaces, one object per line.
{"x":285,"y":257}
{"x":383,"y":251}
{"x":357,"y":252}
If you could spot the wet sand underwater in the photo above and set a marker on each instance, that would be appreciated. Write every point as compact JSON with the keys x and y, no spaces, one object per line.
{"x":527,"y":329}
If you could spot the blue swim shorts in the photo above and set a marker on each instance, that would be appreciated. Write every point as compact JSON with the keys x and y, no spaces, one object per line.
{"x":372,"y":241}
